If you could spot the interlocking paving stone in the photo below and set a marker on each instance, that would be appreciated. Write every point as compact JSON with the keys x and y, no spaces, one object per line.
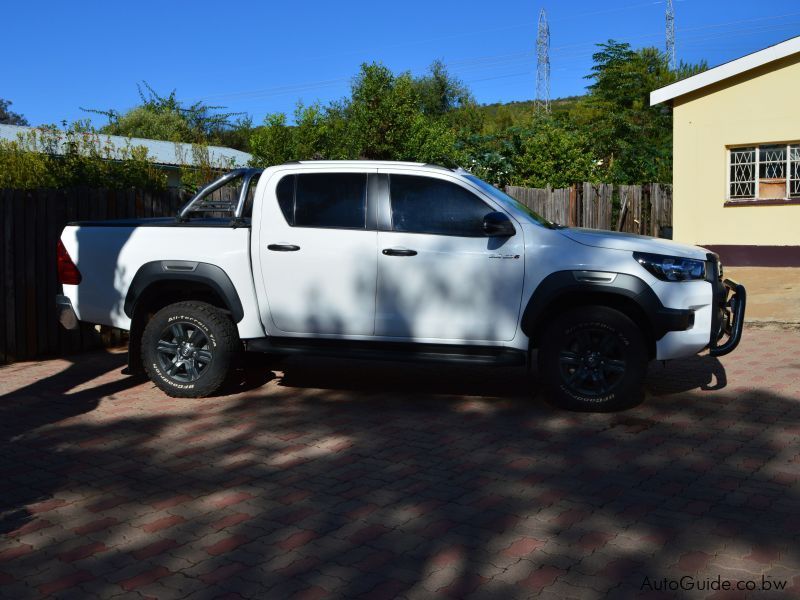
{"x":326,"y":478}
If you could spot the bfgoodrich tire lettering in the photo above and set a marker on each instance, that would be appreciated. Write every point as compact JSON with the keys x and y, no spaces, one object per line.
{"x":187,"y":349}
{"x":593,"y":359}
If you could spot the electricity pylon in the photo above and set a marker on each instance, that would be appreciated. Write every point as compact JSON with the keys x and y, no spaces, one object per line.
{"x":543,"y":64}
{"x":671,"y":34}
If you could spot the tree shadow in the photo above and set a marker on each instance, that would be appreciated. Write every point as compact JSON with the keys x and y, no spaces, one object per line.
{"x":43,"y":402}
{"x":389,"y":480}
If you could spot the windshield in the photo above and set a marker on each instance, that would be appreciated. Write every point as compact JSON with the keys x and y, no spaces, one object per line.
{"x":507,"y":200}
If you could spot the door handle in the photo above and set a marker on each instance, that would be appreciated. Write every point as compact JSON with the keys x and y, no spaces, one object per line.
{"x":283,"y":247}
{"x":399,"y":252}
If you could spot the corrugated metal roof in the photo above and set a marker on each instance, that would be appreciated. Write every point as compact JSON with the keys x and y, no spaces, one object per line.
{"x":159,"y":152}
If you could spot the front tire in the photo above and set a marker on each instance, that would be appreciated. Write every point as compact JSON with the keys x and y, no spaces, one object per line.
{"x":188,"y":349}
{"x":593,"y":359}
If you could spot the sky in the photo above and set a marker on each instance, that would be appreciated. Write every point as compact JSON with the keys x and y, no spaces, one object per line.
{"x":264,"y":57}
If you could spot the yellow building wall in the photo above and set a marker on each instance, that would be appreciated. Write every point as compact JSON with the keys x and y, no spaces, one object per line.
{"x":759,"y":107}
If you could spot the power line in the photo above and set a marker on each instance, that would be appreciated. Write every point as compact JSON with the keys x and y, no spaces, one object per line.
{"x":682,"y":30}
{"x":470,"y":33}
{"x":570,"y":52}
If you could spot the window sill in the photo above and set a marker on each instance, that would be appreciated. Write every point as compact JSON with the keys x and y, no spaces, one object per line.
{"x":762,"y":202}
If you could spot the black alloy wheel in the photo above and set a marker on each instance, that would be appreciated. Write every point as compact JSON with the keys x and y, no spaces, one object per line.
{"x":184,"y":352}
{"x":592,"y":362}
{"x":594,"y":359}
{"x":188,"y":349}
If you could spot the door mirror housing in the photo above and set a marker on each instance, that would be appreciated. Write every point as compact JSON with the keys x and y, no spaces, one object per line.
{"x":497,"y":224}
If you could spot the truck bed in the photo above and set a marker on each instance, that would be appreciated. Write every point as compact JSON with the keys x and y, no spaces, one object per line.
{"x":110,"y":253}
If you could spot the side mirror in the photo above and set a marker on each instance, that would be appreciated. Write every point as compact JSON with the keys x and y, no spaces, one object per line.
{"x":497,"y":224}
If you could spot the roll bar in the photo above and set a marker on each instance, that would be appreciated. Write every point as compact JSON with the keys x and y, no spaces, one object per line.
{"x":195,"y":205}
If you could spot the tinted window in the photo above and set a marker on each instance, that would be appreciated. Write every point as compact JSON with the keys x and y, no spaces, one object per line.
{"x":425,"y":205}
{"x":505,"y":199}
{"x":285,"y":193}
{"x":331,"y":200}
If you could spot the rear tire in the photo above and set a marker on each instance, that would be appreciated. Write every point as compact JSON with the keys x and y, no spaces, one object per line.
{"x":188,"y":349}
{"x":593,"y":359}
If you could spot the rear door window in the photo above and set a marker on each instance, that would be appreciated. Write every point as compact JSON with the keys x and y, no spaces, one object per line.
{"x":324,"y":200}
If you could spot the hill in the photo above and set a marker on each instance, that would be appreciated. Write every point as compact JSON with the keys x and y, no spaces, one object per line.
{"x":498,"y":116}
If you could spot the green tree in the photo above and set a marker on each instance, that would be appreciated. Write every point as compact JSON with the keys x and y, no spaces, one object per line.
{"x":633,"y":139}
{"x":381,"y":112}
{"x":167,"y":118}
{"x":542,"y":150}
{"x":273,"y":143}
{"x":142,"y":122}
{"x":439,"y":93}
{"x":236,"y":135}
{"x":552,"y":154}
{"x":322,"y":133}
{"x":9,"y":117}
{"x":384,"y":118}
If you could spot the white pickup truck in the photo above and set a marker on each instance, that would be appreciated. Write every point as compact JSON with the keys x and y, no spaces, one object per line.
{"x":399,"y":261}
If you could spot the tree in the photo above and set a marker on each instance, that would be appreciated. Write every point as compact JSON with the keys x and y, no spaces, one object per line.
{"x":384,"y":118}
{"x":554,"y":154}
{"x":381,"y":113}
{"x":633,"y":139}
{"x":542,"y":150}
{"x":273,"y":144}
{"x":439,"y":93}
{"x":9,"y":117}
{"x":612,"y":134}
{"x":167,"y":118}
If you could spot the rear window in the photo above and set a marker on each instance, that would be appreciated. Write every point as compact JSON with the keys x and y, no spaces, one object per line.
{"x":324,"y":200}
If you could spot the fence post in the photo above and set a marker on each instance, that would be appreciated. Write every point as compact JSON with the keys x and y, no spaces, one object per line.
{"x":573,"y":206}
{"x":654,"y":199}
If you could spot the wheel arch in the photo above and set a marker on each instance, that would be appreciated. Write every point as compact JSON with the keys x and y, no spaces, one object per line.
{"x":160,"y":283}
{"x":565,"y":290}
{"x":181,"y":280}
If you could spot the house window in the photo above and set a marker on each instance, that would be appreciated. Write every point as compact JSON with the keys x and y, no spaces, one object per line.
{"x":767,"y":172}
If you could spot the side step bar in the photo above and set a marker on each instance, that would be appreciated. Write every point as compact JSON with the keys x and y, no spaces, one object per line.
{"x":391,"y":351}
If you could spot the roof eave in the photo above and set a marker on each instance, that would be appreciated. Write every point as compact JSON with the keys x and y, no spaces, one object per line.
{"x":726,"y":71}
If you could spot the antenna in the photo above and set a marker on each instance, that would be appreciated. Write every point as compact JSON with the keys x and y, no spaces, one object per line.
{"x":543,"y":64}
{"x":670,"y":34}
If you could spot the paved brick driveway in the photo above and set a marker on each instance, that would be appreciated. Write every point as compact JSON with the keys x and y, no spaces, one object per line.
{"x":336,"y":480}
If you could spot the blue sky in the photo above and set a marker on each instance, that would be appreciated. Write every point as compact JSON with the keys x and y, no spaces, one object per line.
{"x":262,"y":57}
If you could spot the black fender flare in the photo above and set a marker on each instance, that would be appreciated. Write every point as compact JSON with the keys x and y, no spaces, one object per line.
{"x":556,"y":287}
{"x":189,"y":271}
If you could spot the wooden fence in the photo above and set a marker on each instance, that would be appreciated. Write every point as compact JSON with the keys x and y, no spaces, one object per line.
{"x":644,"y":209}
{"x":31,"y":222}
{"x":30,"y":225}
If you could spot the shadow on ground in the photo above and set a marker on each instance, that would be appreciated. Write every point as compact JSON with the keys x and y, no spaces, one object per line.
{"x":373,"y":479}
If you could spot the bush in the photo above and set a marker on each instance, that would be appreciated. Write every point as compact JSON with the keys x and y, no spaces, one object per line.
{"x":49,"y":158}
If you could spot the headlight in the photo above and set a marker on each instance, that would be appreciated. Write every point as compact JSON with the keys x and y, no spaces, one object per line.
{"x":671,"y":268}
